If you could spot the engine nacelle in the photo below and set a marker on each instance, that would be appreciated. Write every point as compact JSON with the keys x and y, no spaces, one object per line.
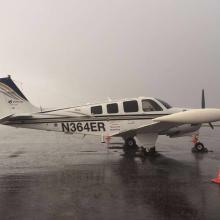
{"x":182,"y":130}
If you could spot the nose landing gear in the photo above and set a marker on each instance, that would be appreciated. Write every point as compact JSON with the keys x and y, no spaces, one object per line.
{"x":198,"y":146}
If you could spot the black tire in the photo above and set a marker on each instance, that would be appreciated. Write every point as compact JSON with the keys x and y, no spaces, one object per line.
{"x":199,"y":147}
{"x":130,"y":142}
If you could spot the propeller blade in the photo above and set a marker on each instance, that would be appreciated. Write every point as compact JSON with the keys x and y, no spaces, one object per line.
{"x":204,"y":106}
{"x":211,"y":125}
{"x":203,"y":98}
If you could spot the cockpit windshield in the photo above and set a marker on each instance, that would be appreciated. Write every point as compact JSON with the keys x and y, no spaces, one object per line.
{"x":165,"y":104}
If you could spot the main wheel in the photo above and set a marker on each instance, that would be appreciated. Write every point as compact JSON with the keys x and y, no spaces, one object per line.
{"x":130,"y":142}
{"x":199,"y":146}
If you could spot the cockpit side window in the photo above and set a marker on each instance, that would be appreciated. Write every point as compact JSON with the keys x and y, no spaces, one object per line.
{"x":96,"y":110}
{"x":149,"y":105}
{"x":165,"y":104}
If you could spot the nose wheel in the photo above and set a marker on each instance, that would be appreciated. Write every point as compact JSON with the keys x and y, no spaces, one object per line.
{"x":198,"y":146}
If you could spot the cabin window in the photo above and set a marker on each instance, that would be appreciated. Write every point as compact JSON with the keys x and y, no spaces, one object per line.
{"x":150,"y":106}
{"x":95,"y":110}
{"x":130,"y":106}
{"x":112,"y":108}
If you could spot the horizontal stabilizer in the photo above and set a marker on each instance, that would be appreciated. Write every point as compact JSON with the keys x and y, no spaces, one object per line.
{"x":14,"y":117}
{"x":3,"y":119}
{"x":195,"y":116}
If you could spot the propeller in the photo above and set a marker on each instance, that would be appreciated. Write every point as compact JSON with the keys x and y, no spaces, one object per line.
{"x":204,"y":106}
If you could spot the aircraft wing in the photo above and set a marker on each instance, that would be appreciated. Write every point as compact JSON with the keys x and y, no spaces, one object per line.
{"x":147,"y":134}
{"x":155,"y":127}
{"x":160,"y":124}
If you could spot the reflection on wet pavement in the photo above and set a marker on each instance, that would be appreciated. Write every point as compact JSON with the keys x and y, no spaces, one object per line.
{"x":90,"y":182}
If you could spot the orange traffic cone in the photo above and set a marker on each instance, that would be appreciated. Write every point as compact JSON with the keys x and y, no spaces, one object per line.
{"x":217,"y":180}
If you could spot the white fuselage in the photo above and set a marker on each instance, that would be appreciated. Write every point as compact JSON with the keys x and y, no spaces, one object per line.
{"x":105,"y":119}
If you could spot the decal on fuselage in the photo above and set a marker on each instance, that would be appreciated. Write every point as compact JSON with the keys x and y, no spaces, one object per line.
{"x":72,"y":127}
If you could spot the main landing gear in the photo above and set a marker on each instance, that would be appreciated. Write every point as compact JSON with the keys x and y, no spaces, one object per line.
{"x":198,"y":146}
{"x":131,"y":148}
{"x":130,"y":142}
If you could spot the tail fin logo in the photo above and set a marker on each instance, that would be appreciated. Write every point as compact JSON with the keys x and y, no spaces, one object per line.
{"x":14,"y":97}
{"x":14,"y":102}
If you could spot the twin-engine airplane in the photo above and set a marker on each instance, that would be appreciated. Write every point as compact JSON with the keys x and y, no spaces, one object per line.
{"x":142,"y":119}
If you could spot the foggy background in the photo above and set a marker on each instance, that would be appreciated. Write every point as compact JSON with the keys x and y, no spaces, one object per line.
{"x":71,"y":52}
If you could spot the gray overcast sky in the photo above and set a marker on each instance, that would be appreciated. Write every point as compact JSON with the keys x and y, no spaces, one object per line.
{"x":70,"y":52}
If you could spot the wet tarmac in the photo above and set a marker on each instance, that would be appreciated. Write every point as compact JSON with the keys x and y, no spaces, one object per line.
{"x":45,"y":175}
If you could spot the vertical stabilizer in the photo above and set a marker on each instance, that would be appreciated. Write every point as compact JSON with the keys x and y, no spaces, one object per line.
{"x":12,"y":100}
